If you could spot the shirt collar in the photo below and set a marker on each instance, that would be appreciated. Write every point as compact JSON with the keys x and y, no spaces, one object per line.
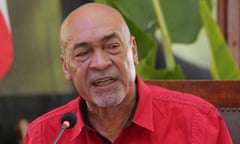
{"x":80,"y":124}
{"x":87,"y":123}
{"x":144,"y":114}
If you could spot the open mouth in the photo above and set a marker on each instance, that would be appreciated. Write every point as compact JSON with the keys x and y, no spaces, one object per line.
{"x":104,"y":82}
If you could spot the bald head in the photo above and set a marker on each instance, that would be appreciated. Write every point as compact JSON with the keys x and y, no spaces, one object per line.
{"x":91,"y":19}
{"x":99,"y":55}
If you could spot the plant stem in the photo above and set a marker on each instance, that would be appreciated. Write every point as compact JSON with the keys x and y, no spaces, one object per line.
{"x":170,"y":62}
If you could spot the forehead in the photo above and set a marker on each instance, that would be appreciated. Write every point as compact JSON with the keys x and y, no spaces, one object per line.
{"x":93,"y":33}
{"x":92,"y":30}
{"x":92,"y":23}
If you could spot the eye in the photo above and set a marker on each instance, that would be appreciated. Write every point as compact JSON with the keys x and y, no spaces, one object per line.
{"x":113,"y":48}
{"x":81,"y":54}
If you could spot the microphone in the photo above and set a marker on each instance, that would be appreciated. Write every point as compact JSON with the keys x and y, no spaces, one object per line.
{"x":68,"y":121}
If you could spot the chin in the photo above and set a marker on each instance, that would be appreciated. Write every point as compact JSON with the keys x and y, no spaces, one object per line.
{"x":110,"y":100}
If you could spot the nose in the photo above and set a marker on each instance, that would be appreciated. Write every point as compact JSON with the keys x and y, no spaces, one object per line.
{"x":100,"y":60}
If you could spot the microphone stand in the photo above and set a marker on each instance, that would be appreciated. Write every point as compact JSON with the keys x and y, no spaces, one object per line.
{"x":63,"y":128}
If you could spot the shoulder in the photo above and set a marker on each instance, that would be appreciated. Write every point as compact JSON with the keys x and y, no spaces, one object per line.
{"x":44,"y":128}
{"x":55,"y":114}
{"x":176,"y":98}
{"x":199,"y":119}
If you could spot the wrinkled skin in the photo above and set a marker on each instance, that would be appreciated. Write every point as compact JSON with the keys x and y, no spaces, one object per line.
{"x":99,"y":55}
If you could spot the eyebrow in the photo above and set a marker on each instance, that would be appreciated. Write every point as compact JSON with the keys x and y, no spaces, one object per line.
{"x":82,"y":44}
{"x":106,"y":37}
{"x":112,"y":35}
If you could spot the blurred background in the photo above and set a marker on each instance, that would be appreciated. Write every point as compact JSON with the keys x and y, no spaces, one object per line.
{"x":35,"y":83}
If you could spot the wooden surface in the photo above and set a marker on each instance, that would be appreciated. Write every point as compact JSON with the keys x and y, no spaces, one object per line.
{"x":233,"y":29}
{"x":228,"y":17}
{"x":219,"y":93}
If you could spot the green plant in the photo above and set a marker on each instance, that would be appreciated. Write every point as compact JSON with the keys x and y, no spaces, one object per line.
{"x":178,"y":21}
{"x":223,"y":65}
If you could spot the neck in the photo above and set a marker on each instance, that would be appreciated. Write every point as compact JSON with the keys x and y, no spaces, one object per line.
{"x":110,"y":121}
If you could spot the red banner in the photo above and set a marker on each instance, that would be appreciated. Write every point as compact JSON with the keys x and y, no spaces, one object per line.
{"x":6,"y":47}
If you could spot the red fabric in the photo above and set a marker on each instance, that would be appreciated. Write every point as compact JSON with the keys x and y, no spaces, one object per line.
{"x":6,"y":51}
{"x":162,"y":117}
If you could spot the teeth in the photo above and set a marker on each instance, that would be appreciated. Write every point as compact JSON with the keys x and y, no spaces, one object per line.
{"x":103,"y":82}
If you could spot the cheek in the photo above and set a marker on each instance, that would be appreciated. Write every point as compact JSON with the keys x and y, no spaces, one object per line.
{"x":126,"y":67}
{"x":79,"y":69}
{"x":130,"y":62}
{"x":79,"y":77}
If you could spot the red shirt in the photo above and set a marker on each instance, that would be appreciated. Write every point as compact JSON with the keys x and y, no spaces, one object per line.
{"x":161,"y":117}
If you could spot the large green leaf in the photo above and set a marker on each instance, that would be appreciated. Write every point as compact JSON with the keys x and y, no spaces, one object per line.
{"x":182,"y":17}
{"x":223,"y":65}
{"x":148,"y":72}
{"x":146,"y":50}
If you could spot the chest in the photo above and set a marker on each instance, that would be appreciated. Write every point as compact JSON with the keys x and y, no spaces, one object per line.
{"x":131,"y":135}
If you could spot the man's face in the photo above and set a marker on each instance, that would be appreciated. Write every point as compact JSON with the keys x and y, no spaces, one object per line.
{"x":100,"y":59}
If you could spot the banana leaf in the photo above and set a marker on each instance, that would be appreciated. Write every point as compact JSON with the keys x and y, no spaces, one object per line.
{"x":223,"y":65}
{"x":182,"y":17}
{"x":147,"y":46}
{"x":147,"y":72}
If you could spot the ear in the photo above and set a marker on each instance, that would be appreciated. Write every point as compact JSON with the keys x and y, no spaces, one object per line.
{"x":65,"y":68}
{"x":134,"y":50}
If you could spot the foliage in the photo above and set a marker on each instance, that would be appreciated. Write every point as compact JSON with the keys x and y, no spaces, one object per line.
{"x":178,"y":21}
{"x":223,"y":65}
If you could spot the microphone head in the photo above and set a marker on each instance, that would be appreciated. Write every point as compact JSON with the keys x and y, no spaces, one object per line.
{"x":69,"y":117}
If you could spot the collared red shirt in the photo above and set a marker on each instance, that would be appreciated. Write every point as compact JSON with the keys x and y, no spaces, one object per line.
{"x":161,"y":117}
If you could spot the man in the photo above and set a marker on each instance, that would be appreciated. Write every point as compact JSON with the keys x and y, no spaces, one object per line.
{"x":99,"y":56}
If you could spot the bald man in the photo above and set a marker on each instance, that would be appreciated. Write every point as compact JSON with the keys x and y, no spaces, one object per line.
{"x":99,"y":56}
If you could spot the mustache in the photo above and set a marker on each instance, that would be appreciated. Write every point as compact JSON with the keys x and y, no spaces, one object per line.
{"x":106,"y":73}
